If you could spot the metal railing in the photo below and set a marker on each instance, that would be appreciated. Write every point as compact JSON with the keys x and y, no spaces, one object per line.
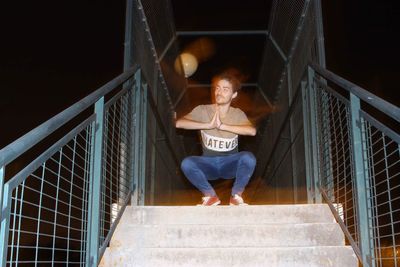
{"x":62,"y":208}
{"x":353,"y":163}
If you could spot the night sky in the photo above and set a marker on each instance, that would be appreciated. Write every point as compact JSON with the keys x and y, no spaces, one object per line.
{"x":362,"y":45}
{"x":53,"y":53}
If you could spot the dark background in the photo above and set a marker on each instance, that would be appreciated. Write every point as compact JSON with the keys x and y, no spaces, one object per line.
{"x":362,"y":44}
{"x":53,"y":53}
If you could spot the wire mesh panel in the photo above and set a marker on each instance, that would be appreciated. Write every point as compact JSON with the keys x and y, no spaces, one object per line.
{"x":382,"y":161}
{"x":159,"y":16}
{"x":291,"y":46}
{"x":49,"y":204}
{"x":117,"y":160}
{"x":305,"y":50}
{"x":336,"y":158}
{"x":50,"y":215}
{"x":271,"y":70}
{"x":359,"y":165}
{"x":161,"y":159}
{"x":297,"y":150}
{"x":143,"y":53}
{"x":155,"y":49}
{"x":285,"y":16}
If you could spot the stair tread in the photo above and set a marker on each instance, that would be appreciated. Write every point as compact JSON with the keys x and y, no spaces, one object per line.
{"x":339,"y":256}
{"x":228,"y":214}
{"x":225,"y":235}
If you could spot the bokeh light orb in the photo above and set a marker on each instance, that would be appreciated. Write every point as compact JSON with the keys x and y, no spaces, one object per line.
{"x":188,"y":62}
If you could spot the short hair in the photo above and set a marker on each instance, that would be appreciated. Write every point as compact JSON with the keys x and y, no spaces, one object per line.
{"x":236,"y":85}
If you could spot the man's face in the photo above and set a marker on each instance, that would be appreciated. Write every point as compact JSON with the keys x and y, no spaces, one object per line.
{"x":223,"y":92}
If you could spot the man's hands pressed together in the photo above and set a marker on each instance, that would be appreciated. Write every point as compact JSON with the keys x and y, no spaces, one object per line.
{"x":216,"y":120}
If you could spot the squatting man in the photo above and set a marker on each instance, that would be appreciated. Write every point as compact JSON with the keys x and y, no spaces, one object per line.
{"x":219,"y":124}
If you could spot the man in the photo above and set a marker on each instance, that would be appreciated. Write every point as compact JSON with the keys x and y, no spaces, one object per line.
{"x":219,"y":125}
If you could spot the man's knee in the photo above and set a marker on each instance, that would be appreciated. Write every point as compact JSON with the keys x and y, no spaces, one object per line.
{"x":248,"y":158}
{"x":187,"y":164}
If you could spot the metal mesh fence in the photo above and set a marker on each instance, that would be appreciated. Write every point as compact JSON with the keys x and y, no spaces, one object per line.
{"x":144,"y":54}
{"x":156,"y":49}
{"x":297,"y":149}
{"x":162,"y":159}
{"x":335,"y":153}
{"x":382,"y":161}
{"x":154,"y":36}
{"x":271,"y":70}
{"x":291,"y":47}
{"x":159,"y":16}
{"x":174,"y":81}
{"x":117,"y":160}
{"x":284,"y":22}
{"x":49,"y":207}
{"x":358,"y":166}
{"x":305,"y":50}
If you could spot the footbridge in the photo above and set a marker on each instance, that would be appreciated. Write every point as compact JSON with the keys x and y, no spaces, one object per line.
{"x":67,"y":186}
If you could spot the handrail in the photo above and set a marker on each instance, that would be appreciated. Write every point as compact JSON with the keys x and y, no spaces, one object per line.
{"x":375,"y":101}
{"x":354,"y":165}
{"x":27,"y":141}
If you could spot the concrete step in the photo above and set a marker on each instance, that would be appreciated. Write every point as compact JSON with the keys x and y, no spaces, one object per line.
{"x":275,"y":235}
{"x":219,"y":236}
{"x":232,"y":257}
{"x":261,"y":214}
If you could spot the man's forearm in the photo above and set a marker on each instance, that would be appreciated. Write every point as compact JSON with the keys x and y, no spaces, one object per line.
{"x":195,"y":125}
{"x":240,"y":130}
{"x":191,"y":125}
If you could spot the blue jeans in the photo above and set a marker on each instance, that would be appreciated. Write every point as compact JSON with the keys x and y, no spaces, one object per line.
{"x":200,"y":169}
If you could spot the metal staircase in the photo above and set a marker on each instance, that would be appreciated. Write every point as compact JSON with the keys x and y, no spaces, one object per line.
{"x":71,"y":186}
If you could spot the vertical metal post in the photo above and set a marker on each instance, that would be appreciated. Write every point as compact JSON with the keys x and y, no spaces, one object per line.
{"x":124,"y":150}
{"x":365,"y":145}
{"x":136,"y":135}
{"x":360,"y":176}
{"x":131,"y":128}
{"x":152,"y":131}
{"x":5,"y":223}
{"x":319,"y":33}
{"x":307,"y":141}
{"x":128,"y":60}
{"x":2,"y":173}
{"x":327,"y":151}
{"x":152,"y":174}
{"x":143,"y":146}
{"x":95,"y":188}
{"x":140,"y":142}
{"x":314,"y":135}
{"x":292,"y":136}
{"x":320,"y":48}
{"x":313,"y":128}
